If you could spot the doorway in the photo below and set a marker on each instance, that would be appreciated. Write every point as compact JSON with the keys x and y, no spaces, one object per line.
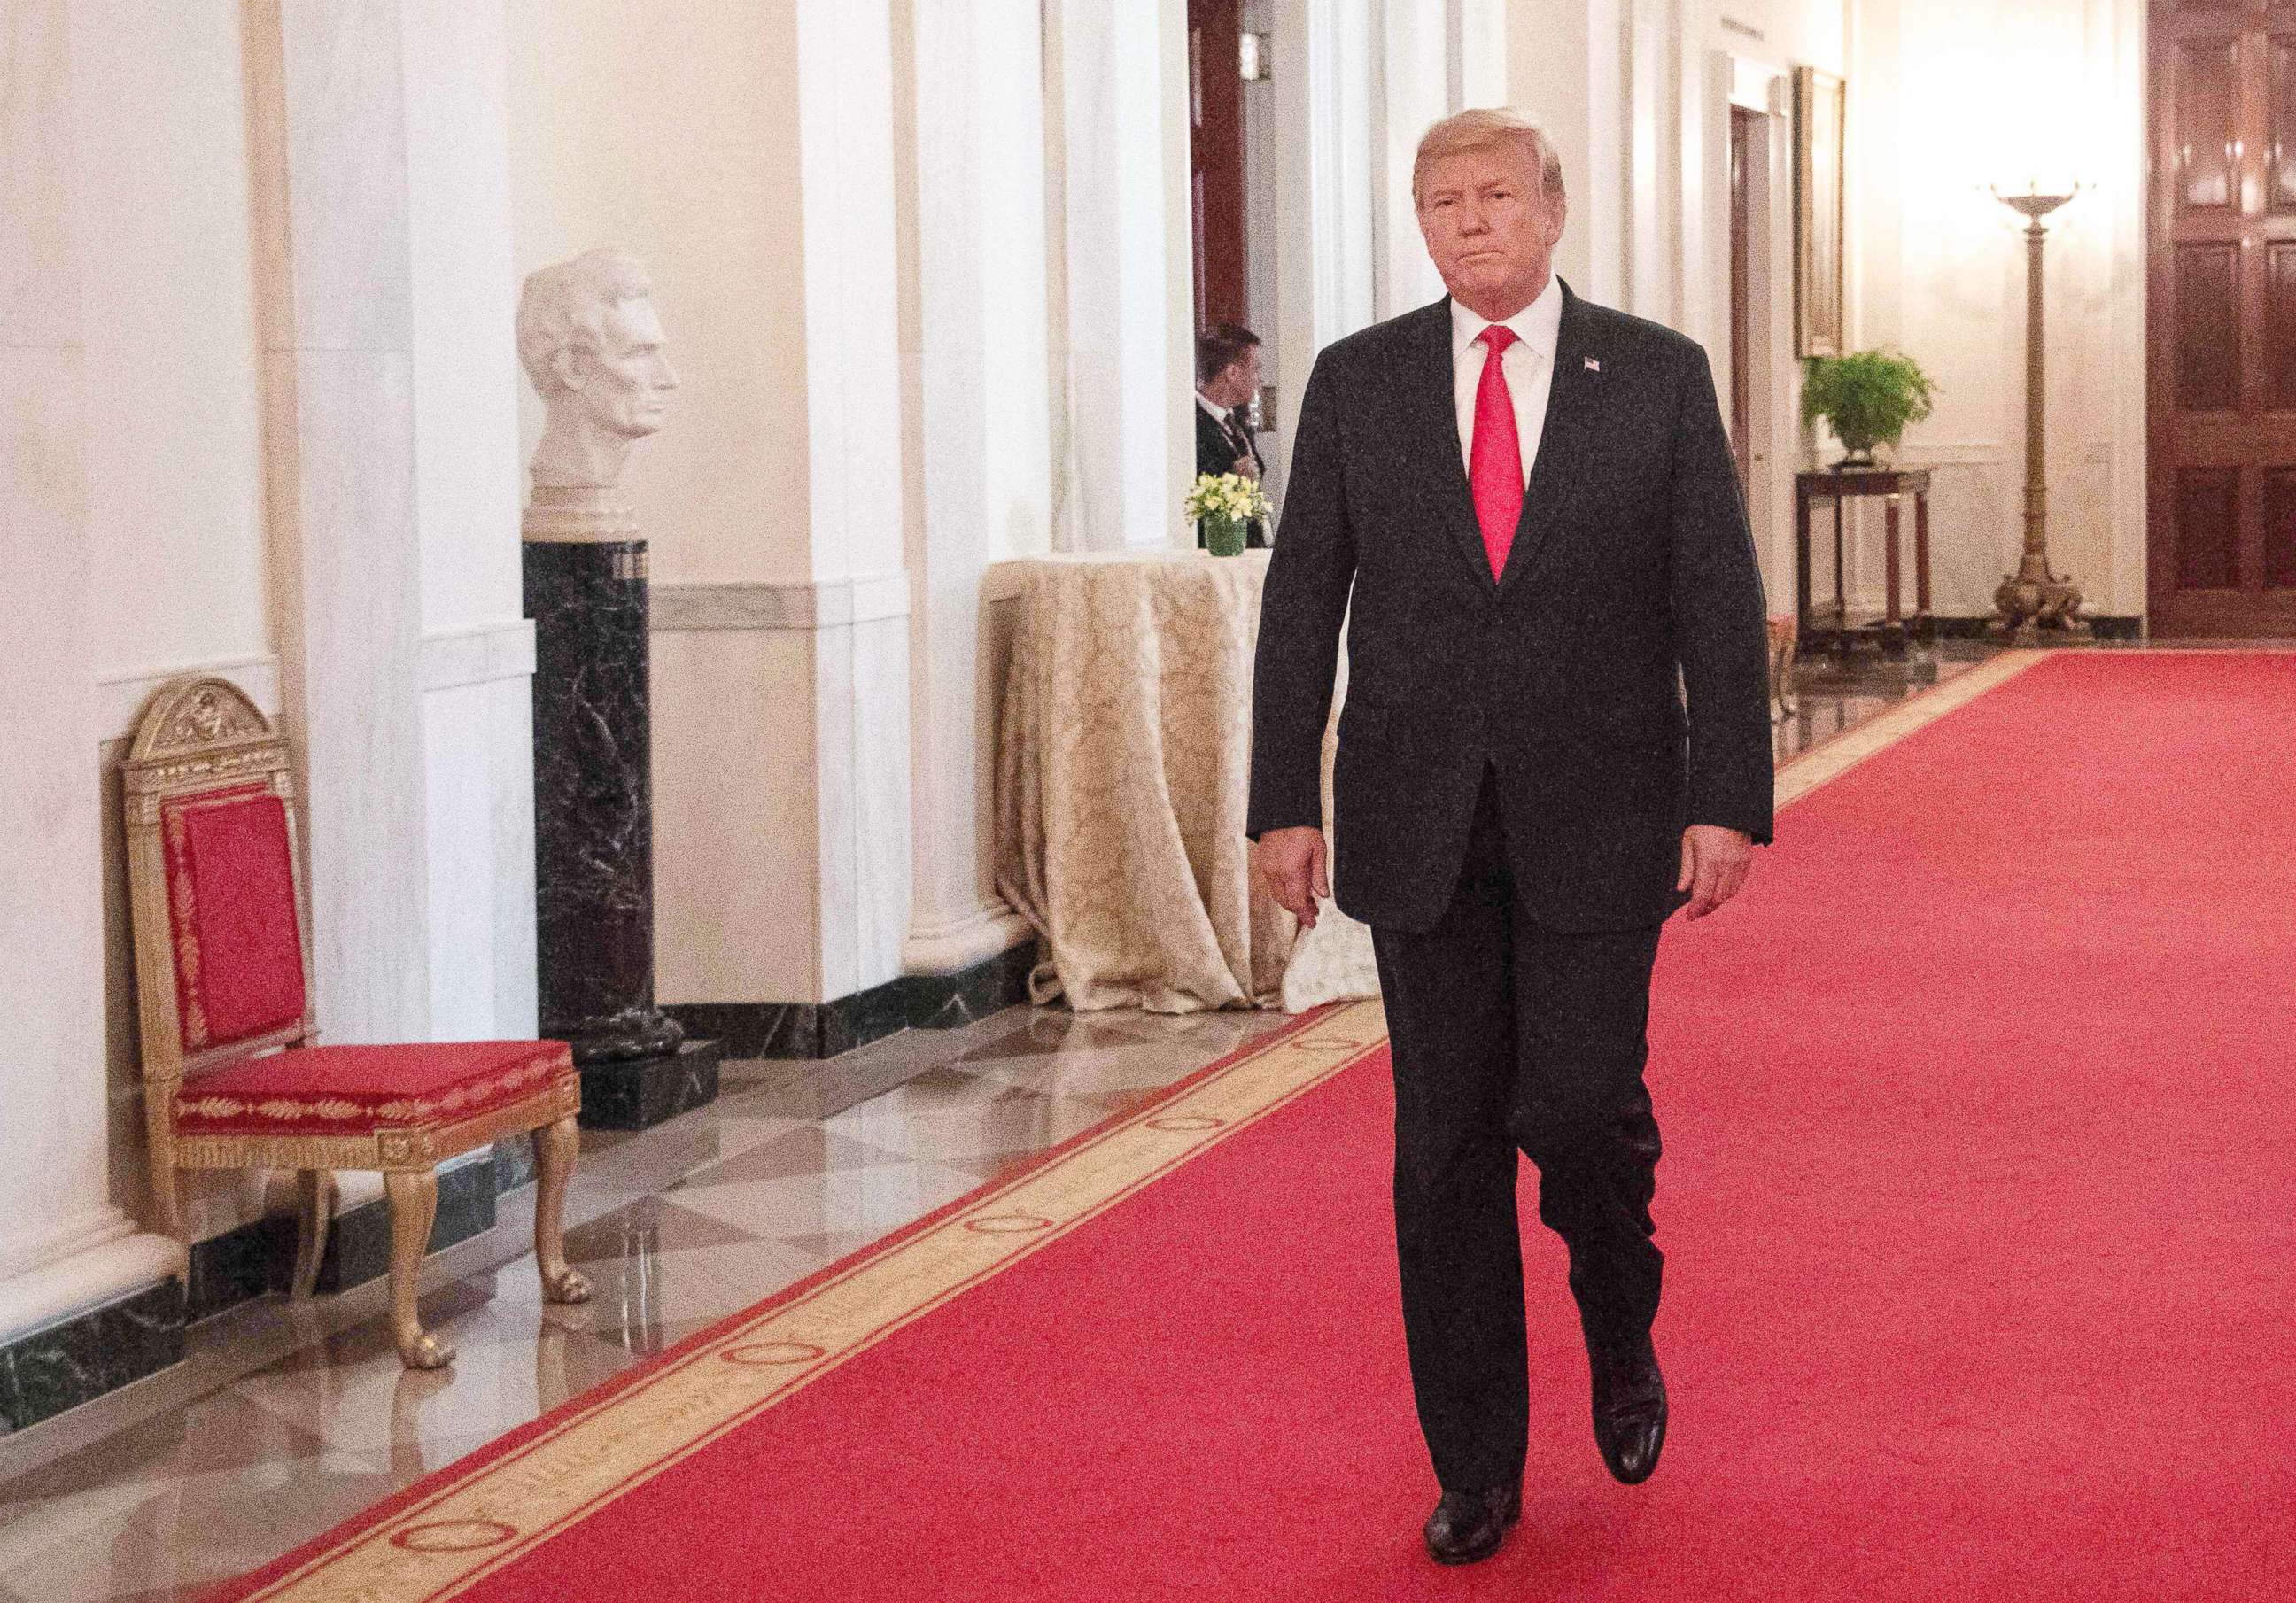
{"x":1749,"y":156}
{"x":2220,"y":335}
{"x":1216,"y":159}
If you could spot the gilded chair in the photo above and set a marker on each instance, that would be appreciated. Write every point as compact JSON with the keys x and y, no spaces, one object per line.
{"x":233,"y":1077}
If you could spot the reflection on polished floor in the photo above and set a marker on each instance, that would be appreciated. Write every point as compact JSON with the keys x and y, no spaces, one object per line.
{"x":1835,"y":693}
{"x":286,"y":1419}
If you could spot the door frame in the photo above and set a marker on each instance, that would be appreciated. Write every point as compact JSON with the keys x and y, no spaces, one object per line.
{"x":1764,"y":89}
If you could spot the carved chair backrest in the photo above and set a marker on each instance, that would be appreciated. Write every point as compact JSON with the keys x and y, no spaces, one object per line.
{"x":223,"y":957}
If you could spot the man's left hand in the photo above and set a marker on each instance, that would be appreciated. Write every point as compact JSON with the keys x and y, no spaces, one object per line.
{"x":1715,"y":863}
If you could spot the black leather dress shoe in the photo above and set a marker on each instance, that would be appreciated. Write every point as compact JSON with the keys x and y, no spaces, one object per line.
{"x":1468,"y":1525}
{"x":1629,"y":1408}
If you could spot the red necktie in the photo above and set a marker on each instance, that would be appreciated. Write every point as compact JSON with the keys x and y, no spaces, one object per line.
{"x":1494,"y":460}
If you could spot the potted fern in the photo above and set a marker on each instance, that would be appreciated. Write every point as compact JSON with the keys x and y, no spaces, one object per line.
{"x":1866,"y":398}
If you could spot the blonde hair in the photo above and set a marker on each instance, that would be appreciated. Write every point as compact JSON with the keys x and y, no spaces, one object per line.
{"x":1486,"y":128}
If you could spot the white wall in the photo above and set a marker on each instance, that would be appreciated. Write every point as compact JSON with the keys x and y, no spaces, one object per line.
{"x":673,"y":132}
{"x":969,"y":125}
{"x":861,"y":711}
{"x":1115,"y":161}
{"x":55,"y":1207}
{"x":1566,"y":73}
{"x":1808,"y":33}
{"x":177,"y":579}
{"x":176,"y":497}
{"x":2057,"y":83}
{"x":478,"y":647}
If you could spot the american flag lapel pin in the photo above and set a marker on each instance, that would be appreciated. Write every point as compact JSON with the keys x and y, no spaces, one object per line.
{"x":1594,"y":366}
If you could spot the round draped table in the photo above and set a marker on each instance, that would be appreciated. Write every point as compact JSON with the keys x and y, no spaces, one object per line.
{"x":1124,"y":754}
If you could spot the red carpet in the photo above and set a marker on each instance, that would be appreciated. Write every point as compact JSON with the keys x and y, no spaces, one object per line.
{"x":1980,"y":1203}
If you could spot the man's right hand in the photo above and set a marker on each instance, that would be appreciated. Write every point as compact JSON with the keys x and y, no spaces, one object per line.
{"x":1290,"y":864}
{"x":1246,"y":467}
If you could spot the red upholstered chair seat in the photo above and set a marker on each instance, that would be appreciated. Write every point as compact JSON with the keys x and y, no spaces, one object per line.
{"x":348,"y":1090}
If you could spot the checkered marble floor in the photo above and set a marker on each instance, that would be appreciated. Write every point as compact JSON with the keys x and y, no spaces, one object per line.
{"x":286,"y":1419}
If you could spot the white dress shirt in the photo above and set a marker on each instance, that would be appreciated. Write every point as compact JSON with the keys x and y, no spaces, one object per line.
{"x":1528,"y":366}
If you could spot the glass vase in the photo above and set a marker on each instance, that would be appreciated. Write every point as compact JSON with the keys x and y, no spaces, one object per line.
{"x":1223,"y":537}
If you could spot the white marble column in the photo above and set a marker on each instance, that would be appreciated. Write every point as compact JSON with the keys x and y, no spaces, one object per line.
{"x":975,"y":368}
{"x":63,"y":1245}
{"x":1117,"y":154}
{"x":1566,"y":71}
{"x":1418,"y":58}
{"x":378,"y":150}
{"x":1654,"y":98}
{"x":1479,"y":41}
{"x":1326,"y":82}
{"x":329,"y":129}
{"x":856,"y":449}
{"x":476,"y":683}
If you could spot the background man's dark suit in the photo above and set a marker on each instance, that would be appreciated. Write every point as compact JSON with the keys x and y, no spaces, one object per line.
{"x":1516,"y":768}
{"x":1215,"y":452}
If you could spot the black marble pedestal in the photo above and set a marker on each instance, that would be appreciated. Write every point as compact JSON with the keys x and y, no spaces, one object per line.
{"x":594,"y":812}
{"x":637,"y":1093}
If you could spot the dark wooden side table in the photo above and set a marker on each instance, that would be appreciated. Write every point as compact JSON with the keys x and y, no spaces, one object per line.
{"x":1831,"y":624}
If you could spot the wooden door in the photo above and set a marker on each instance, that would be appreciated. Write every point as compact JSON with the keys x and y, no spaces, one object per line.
{"x":2220,"y":366}
{"x":1216,"y":157}
{"x":1745,"y":131}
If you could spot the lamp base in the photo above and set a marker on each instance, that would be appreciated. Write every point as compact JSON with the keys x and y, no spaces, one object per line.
{"x":2028,"y":607}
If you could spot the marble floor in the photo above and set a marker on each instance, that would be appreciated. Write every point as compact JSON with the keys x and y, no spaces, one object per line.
{"x":287,"y":1418}
{"x":1834,"y":693}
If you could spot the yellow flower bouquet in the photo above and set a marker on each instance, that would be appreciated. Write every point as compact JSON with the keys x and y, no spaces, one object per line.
{"x":1223,"y":505}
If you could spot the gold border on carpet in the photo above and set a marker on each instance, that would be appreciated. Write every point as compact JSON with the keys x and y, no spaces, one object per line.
{"x":1830,"y":760}
{"x":439,"y":1547}
{"x":455,"y":1537}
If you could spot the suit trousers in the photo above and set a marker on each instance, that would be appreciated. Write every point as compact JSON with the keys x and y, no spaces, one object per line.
{"x":1507,"y":1037}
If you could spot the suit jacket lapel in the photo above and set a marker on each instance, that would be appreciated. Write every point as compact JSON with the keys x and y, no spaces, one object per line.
{"x":1431,"y":384}
{"x":1555,"y":474}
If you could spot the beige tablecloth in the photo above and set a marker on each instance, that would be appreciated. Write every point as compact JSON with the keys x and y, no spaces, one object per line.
{"x":1122,"y":760}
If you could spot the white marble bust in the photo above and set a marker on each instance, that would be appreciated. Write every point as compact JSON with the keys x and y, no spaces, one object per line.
{"x":590,"y":341}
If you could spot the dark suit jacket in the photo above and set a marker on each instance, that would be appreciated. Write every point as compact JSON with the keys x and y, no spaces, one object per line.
{"x":1632,"y":560}
{"x":1215,"y":454}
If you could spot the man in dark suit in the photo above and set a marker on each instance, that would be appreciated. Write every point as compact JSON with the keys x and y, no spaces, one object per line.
{"x":1555,"y":735}
{"x":1227,"y":376}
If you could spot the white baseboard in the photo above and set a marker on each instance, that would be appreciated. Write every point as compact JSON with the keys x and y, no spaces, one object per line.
{"x":941,"y":948}
{"x":40,"y":1296}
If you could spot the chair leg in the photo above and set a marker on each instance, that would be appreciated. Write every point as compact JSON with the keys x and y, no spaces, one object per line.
{"x":413,"y":1204}
{"x":315,"y":1209}
{"x":555,"y":1146}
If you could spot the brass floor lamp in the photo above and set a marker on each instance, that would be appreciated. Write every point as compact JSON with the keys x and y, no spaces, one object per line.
{"x":2032,"y":598}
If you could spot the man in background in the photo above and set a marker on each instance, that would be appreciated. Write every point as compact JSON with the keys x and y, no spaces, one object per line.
{"x":1227,"y":376}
